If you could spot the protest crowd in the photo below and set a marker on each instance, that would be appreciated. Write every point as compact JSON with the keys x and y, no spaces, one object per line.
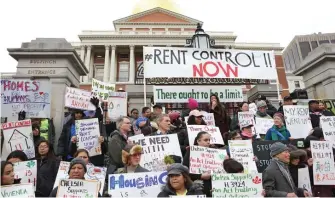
{"x":259,"y":151}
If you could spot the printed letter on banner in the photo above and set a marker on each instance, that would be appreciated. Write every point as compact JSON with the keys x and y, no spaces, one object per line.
{"x":147,"y":184}
{"x":328,"y":126}
{"x":297,"y":120}
{"x":241,"y":151}
{"x":88,"y":134}
{"x":78,"y":99}
{"x":175,"y":62}
{"x":117,"y":105}
{"x":215,"y":135}
{"x":77,"y":188}
{"x":18,"y":190}
{"x":26,"y":171}
{"x":101,"y":89}
{"x":204,"y":160}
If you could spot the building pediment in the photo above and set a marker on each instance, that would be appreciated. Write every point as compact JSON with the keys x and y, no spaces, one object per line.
{"x":157,"y":16}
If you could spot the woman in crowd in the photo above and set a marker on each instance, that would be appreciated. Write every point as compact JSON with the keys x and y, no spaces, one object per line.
{"x":192,"y":105}
{"x":232,"y":166}
{"x":298,"y":159}
{"x":278,"y":131}
{"x":179,"y":183}
{"x":221,"y":117}
{"x":242,"y":107}
{"x":7,"y":174}
{"x":131,"y":158}
{"x":47,"y":168}
{"x":17,"y":156}
{"x":84,"y":155}
{"x":202,"y":139}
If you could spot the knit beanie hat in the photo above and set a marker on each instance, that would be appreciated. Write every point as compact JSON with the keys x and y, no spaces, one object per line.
{"x":277,"y":148}
{"x":174,"y":115}
{"x":78,"y":161}
{"x":192,"y":103}
{"x":279,"y":115}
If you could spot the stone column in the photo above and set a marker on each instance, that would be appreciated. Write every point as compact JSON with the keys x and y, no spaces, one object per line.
{"x":87,"y":63}
{"x":82,"y":57}
{"x":132,"y":64}
{"x":106,"y":66}
{"x":112,"y":76}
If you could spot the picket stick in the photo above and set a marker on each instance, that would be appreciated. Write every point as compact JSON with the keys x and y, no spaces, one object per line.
{"x":145,"y":92}
{"x":277,"y":83}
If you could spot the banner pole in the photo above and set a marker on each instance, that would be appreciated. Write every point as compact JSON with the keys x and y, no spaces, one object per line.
{"x":145,"y":92}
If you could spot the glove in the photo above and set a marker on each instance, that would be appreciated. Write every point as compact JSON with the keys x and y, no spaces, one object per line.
{"x":95,"y":101}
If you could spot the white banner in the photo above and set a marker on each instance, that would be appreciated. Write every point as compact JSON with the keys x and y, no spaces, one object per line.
{"x":328,"y":127}
{"x":206,"y":160}
{"x":88,"y":133}
{"x":117,"y":105}
{"x":297,"y":120}
{"x":93,"y":173}
{"x":172,"y":62}
{"x":155,"y":148}
{"x":78,"y":99}
{"x":263,"y":125}
{"x":304,"y":181}
{"x":242,"y":151}
{"x":101,"y":89}
{"x":214,"y":132}
{"x":26,"y":171}
{"x":31,"y":96}
{"x":18,"y":136}
{"x":208,"y":118}
{"x":181,"y":94}
{"x":18,"y":190}
{"x":246,"y":119}
{"x":77,"y":188}
{"x":147,"y":184}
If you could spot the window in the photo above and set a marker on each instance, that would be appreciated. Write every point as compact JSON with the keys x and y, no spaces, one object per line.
{"x":297,"y":84}
{"x":314,"y":44}
{"x":333,"y":41}
{"x":305,"y":49}
{"x":123,"y":72}
{"x":273,"y":81}
{"x":323,"y":41}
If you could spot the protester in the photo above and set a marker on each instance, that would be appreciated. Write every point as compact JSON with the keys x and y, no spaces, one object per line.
{"x":323,"y":109}
{"x":242,"y":107}
{"x":221,"y":117}
{"x":47,"y":169}
{"x":176,"y":122}
{"x":36,"y":134}
{"x":84,"y":155}
{"x":246,"y":132}
{"x":262,"y":110}
{"x":192,"y":105}
{"x":298,"y":159}
{"x":314,"y":113}
{"x":232,"y":166}
{"x":131,"y":158}
{"x":277,"y":180}
{"x":270,"y":109}
{"x":142,"y":124}
{"x":179,"y":183}
{"x":158,"y":110}
{"x":202,"y":139}
{"x":278,"y":131}
{"x":7,"y":174}
{"x":134,"y":114}
{"x":196,"y":118}
{"x":17,"y":156}
{"x":288,"y":100}
{"x":163,"y":122}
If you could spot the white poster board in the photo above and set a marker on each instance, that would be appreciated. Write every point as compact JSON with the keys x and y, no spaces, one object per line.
{"x":147,"y":184}
{"x":237,"y":185}
{"x":18,"y":190}
{"x":242,"y":151}
{"x":328,"y":127}
{"x":88,"y":134}
{"x":26,"y":171}
{"x":246,"y":119}
{"x":214,"y":132}
{"x":78,"y":99}
{"x":208,"y":63}
{"x":31,"y":96}
{"x":206,"y":160}
{"x":207,"y":117}
{"x":117,"y":105}
{"x":77,"y":188}
{"x":136,"y":137}
{"x":155,"y":148}
{"x":304,"y":181}
{"x":181,"y":94}
{"x":101,"y":89}
{"x":297,"y":120}
{"x":18,"y":136}
{"x":263,"y":125}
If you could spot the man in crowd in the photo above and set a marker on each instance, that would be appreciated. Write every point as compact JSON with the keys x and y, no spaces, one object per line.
{"x":164,"y":123}
{"x":142,"y":124}
{"x":287,"y":101}
{"x":271,"y":110}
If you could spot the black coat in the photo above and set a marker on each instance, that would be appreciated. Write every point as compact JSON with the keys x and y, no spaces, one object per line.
{"x":195,"y":189}
{"x":116,"y":143}
{"x":47,"y":170}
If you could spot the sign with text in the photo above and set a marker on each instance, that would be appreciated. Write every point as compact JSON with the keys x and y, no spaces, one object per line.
{"x":78,"y":188}
{"x":93,"y":173}
{"x":155,"y":148}
{"x":237,"y":185}
{"x":136,"y":137}
{"x":117,"y":105}
{"x":208,"y":118}
{"x":323,"y":162}
{"x":26,"y":171}
{"x":78,"y":99}
{"x":328,"y":127}
{"x":31,"y":96}
{"x":18,"y":190}
{"x":304,"y":181}
{"x":172,"y":62}
{"x":88,"y":133}
{"x":263,"y":125}
{"x":214,"y":132}
{"x":18,"y":136}
{"x":297,"y":120}
{"x":101,"y":89}
{"x":146,"y":184}
{"x":241,"y":151}
{"x":245,"y":119}
{"x":206,"y":160}
{"x":181,"y":94}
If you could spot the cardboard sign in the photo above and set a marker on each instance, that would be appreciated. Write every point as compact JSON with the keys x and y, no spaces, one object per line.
{"x":263,"y":125}
{"x":328,"y":127}
{"x":78,"y":188}
{"x":304,"y":181}
{"x":31,"y":96}
{"x":18,"y":190}
{"x":214,"y":132}
{"x":208,"y":118}
{"x":155,"y":148}
{"x":88,"y":134}
{"x":18,"y":136}
{"x":136,"y":184}
{"x":172,"y":62}
{"x":241,"y":151}
{"x":297,"y":120}
{"x":117,"y":105}
{"x":246,"y":119}
{"x":101,"y":89}
{"x":206,"y":160}
{"x":26,"y":171}
{"x":78,"y":99}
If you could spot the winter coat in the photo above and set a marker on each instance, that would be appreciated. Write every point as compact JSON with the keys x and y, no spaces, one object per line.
{"x":207,"y":183}
{"x":139,"y":169}
{"x":294,"y":172}
{"x":194,"y":189}
{"x":116,"y":143}
{"x":64,"y":140}
{"x":222,"y":120}
{"x":271,"y":110}
{"x":183,"y":140}
{"x":47,"y":169}
{"x":268,"y":135}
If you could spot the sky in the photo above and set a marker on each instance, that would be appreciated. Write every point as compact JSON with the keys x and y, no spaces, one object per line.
{"x":266,"y":21}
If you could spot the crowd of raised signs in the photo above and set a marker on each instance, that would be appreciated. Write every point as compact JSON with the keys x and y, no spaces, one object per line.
{"x":258,"y":151}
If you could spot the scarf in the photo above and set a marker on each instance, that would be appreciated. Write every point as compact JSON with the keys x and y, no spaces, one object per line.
{"x":262,"y":114}
{"x":285,"y":172}
{"x":282,"y":130}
